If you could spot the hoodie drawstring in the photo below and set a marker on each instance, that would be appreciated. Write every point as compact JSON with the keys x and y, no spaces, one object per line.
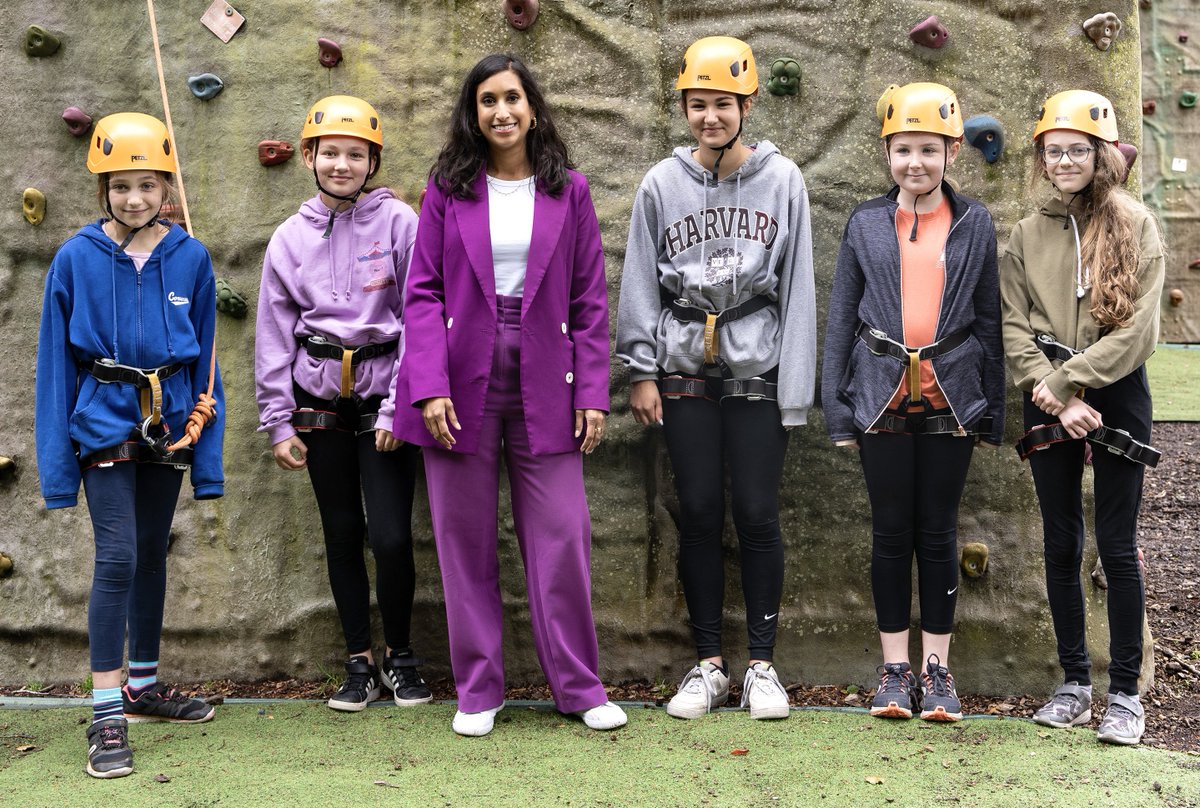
{"x":1082,"y":275}
{"x":327,"y":235}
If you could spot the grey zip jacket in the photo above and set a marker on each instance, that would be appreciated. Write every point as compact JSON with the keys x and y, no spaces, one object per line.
{"x":717,"y":245}
{"x":856,"y":385}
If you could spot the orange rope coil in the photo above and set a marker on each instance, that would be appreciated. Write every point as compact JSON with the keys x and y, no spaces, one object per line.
{"x":202,"y":415}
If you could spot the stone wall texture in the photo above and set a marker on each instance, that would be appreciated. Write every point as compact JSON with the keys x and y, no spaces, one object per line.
{"x":248,"y":595}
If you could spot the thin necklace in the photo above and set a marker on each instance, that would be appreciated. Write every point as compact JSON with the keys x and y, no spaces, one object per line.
{"x":495,"y":185}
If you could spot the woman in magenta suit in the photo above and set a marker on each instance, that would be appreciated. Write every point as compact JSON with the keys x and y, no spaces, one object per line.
{"x":506,"y":354}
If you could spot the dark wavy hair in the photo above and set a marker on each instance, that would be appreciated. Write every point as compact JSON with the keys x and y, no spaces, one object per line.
{"x":466,"y":150}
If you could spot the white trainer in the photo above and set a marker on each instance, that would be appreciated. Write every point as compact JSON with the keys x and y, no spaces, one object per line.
{"x":604,"y":716}
{"x":475,"y":724}
{"x":706,"y":686}
{"x":764,"y":694}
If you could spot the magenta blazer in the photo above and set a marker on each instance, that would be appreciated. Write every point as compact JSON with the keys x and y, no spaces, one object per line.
{"x":450,"y":317}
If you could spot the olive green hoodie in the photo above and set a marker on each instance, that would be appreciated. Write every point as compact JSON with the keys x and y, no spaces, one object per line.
{"x":1040,"y":274}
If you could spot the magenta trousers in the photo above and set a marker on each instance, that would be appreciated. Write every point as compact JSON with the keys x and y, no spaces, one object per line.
{"x":553,"y":528}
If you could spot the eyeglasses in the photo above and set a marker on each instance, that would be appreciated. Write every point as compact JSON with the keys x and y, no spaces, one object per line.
{"x":1077,"y":154}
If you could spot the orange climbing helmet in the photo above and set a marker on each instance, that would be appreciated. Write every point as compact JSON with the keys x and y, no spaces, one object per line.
{"x":922,"y":107}
{"x":130,"y":140}
{"x":343,"y":115}
{"x":719,"y":63}
{"x":1080,"y":111}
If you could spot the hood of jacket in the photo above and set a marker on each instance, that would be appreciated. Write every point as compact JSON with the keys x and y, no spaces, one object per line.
{"x":760,"y":153}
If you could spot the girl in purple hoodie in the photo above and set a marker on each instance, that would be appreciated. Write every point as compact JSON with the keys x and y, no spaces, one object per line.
{"x":328,"y":339}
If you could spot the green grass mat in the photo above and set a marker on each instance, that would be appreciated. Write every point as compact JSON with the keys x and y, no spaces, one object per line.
{"x":1175,"y":383}
{"x":299,"y":754}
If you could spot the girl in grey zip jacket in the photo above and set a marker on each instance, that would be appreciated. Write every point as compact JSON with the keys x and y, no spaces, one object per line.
{"x":856,"y":384}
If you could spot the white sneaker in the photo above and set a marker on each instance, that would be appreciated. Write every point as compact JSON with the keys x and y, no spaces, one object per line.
{"x":475,"y":724}
{"x":762,"y":691}
{"x":706,"y":686}
{"x":604,"y":716}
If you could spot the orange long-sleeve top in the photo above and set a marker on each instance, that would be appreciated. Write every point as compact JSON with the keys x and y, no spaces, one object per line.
{"x":922,"y":279}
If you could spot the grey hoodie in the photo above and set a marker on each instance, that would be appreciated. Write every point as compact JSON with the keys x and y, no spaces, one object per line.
{"x":718,"y":245}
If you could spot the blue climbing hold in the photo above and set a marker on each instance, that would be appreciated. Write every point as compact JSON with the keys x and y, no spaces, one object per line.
{"x":206,"y":86}
{"x":986,"y":134}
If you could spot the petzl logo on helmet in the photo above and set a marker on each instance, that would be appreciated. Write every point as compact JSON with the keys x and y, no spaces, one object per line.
{"x":912,"y":119}
{"x":347,"y":119}
{"x":1062,"y":118}
{"x":702,"y":77}
{"x":135,"y":158}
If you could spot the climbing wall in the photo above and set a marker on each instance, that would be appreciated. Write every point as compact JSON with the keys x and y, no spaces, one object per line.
{"x":1171,"y":167}
{"x":248,"y":594}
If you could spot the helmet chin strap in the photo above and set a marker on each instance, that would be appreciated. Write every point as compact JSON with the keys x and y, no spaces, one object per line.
{"x":912,"y":236}
{"x":721,"y":151}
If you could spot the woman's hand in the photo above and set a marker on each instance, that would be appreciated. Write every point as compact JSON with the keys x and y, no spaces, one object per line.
{"x":1046,"y":401}
{"x":385,"y":441}
{"x":439,"y":416}
{"x":594,"y":420}
{"x":1078,"y":418}
{"x":291,"y":454}
{"x":645,"y":402}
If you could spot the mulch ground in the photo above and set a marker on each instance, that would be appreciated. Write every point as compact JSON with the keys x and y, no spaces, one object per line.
{"x":1169,"y":535}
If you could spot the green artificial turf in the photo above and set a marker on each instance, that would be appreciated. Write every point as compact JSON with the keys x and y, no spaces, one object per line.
{"x":299,"y":754}
{"x":1174,"y":374}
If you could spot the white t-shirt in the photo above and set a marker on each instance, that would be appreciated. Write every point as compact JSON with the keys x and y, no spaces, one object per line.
{"x":510,"y":218}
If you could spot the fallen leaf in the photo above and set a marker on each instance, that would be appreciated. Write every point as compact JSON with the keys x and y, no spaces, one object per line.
{"x":27,"y":748}
{"x":161,"y":778}
{"x":386,"y":784}
{"x":740,"y":751}
{"x":875,"y":781}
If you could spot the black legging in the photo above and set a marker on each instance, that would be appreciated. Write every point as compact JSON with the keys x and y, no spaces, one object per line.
{"x":1058,"y":478}
{"x":700,"y":436}
{"x":914,"y":483}
{"x":346,"y":470}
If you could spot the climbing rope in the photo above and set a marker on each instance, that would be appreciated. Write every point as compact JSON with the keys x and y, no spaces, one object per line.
{"x":205,"y":410}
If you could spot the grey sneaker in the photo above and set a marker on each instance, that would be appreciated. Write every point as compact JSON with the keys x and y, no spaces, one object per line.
{"x":898,"y":691}
{"x":706,"y":686}
{"x":1124,"y":722}
{"x":108,"y":749}
{"x":939,"y":698}
{"x":1070,"y":706}
{"x":763,"y":693}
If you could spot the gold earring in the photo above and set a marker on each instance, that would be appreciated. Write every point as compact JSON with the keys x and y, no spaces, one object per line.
{"x":533,"y":124}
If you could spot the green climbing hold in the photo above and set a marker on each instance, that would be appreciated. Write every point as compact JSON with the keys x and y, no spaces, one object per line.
{"x":785,"y":77}
{"x":40,"y":42}
{"x":230,"y":300}
{"x":1188,"y":99}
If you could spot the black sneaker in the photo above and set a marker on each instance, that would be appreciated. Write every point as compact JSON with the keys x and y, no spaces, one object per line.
{"x":897,"y":696}
{"x":360,"y":687}
{"x":400,"y":675}
{"x":109,"y":754}
{"x":164,"y":703}
{"x":939,"y":699}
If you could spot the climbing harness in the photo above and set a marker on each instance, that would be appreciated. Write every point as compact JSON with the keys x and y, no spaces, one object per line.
{"x":148,"y":382}
{"x":1053,"y":349}
{"x":1116,"y":441}
{"x":880,"y":344}
{"x":321,"y":348}
{"x":135,"y":449}
{"x":306,"y":419}
{"x":713,"y":388}
{"x":920,"y":423}
{"x":686,"y":311}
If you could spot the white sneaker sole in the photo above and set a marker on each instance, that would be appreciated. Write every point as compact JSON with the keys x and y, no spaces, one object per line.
{"x":138,"y":718}
{"x":778,"y":711}
{"x":1121,"y":740}
{"x":411,"y":702}
{"x":1082,"y":718}
{"x":111,"y":773}
{"x":689,"y":712}
{"x":354,"y":706}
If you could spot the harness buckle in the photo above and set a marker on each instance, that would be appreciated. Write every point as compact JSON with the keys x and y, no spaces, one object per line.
{"x":157,"y":445}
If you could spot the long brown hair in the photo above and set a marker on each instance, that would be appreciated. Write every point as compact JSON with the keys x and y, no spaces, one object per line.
{"x":1109,"y":246}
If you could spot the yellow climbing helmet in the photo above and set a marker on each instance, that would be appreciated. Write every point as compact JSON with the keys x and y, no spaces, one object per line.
{"x":1080,"y":111}
{"x":130,"y":140}
{"x":719,"y":63}
{"x":923,"y":107}
{"x":343,"y":115}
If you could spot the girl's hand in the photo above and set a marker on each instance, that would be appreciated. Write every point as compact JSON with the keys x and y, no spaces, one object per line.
{"x":439,"y":416}
{"x":645,"y":402}
{"x":1078,"y":418}
{"x":291,"y":454}
{"x":1046,"y":401}
{"x":595,"y":428}
{"x":386,"y":442}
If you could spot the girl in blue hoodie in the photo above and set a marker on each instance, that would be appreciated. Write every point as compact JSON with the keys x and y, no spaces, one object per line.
{"x":124,"y":352}
{"x":326,"y":351}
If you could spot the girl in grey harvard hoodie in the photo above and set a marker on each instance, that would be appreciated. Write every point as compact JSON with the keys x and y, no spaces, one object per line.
{"x":717,"y":325}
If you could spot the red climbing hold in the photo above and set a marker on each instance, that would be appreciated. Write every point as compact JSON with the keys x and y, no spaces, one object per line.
{"x":1130,"y":153}
{"x":930,"y":33}
{"x":274,"y":152}
{"x":77,"y":121}
{"x":329,"y":52}
{"x":1148,"y":106}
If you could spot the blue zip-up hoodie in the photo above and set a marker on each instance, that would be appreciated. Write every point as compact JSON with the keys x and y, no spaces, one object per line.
{"x":97,"y":305}
{"x":856,"y":385}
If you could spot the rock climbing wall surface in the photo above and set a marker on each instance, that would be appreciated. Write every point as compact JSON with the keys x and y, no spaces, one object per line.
{"x":248,"y":594}
{"x":1171,"y":162}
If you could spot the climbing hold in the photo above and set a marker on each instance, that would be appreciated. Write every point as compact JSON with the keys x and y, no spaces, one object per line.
{"x":1130,"y":153}
{"x":1187,"y":99}
{"x":785,"y":77}
{"x":40,"y":42}
{"x":33,"y":203}
{"x":329,"y":52}
{"x":930,"y":32}
{"x":986,"y":134}
{"x":8,"y":468}
{"x":1195,"y":264}
{"x":206,"y":86}
{"x":1102,"y":28}
{"x":1145,"y":3}
{"x":974,"y":561}
{"x":222,"y":19}
{"x":1148,"y":106}
{"x":77,"y":121}
{"x":1183,"y":37}
{"x":882,"y":104}
{"x":274,"y":152}
{"x":1176,"y":297}
{"x":521,"y":13}
{"x":230,"y":300}
{"x":6,"y":566}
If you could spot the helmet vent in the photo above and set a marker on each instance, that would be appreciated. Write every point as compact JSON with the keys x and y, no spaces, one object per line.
{"x":891,"y":109}
{"x":682,"y":66}
{"x":374,"y":122}
{"x":166,"y":147}
{"x":107,"y":147}
{"x":1042,"y":114}
{"x":735,"y":69}
{"x":318,"y":117}
{"x":1095,"y":113}
{"x":944,"y":110}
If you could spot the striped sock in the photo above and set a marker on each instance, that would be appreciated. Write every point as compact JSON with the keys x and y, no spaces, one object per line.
{"x":106,"y":703}
{"x":141,"y":676}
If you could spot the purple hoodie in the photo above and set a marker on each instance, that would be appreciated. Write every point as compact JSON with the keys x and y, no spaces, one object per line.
{"x":348,"y":288}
